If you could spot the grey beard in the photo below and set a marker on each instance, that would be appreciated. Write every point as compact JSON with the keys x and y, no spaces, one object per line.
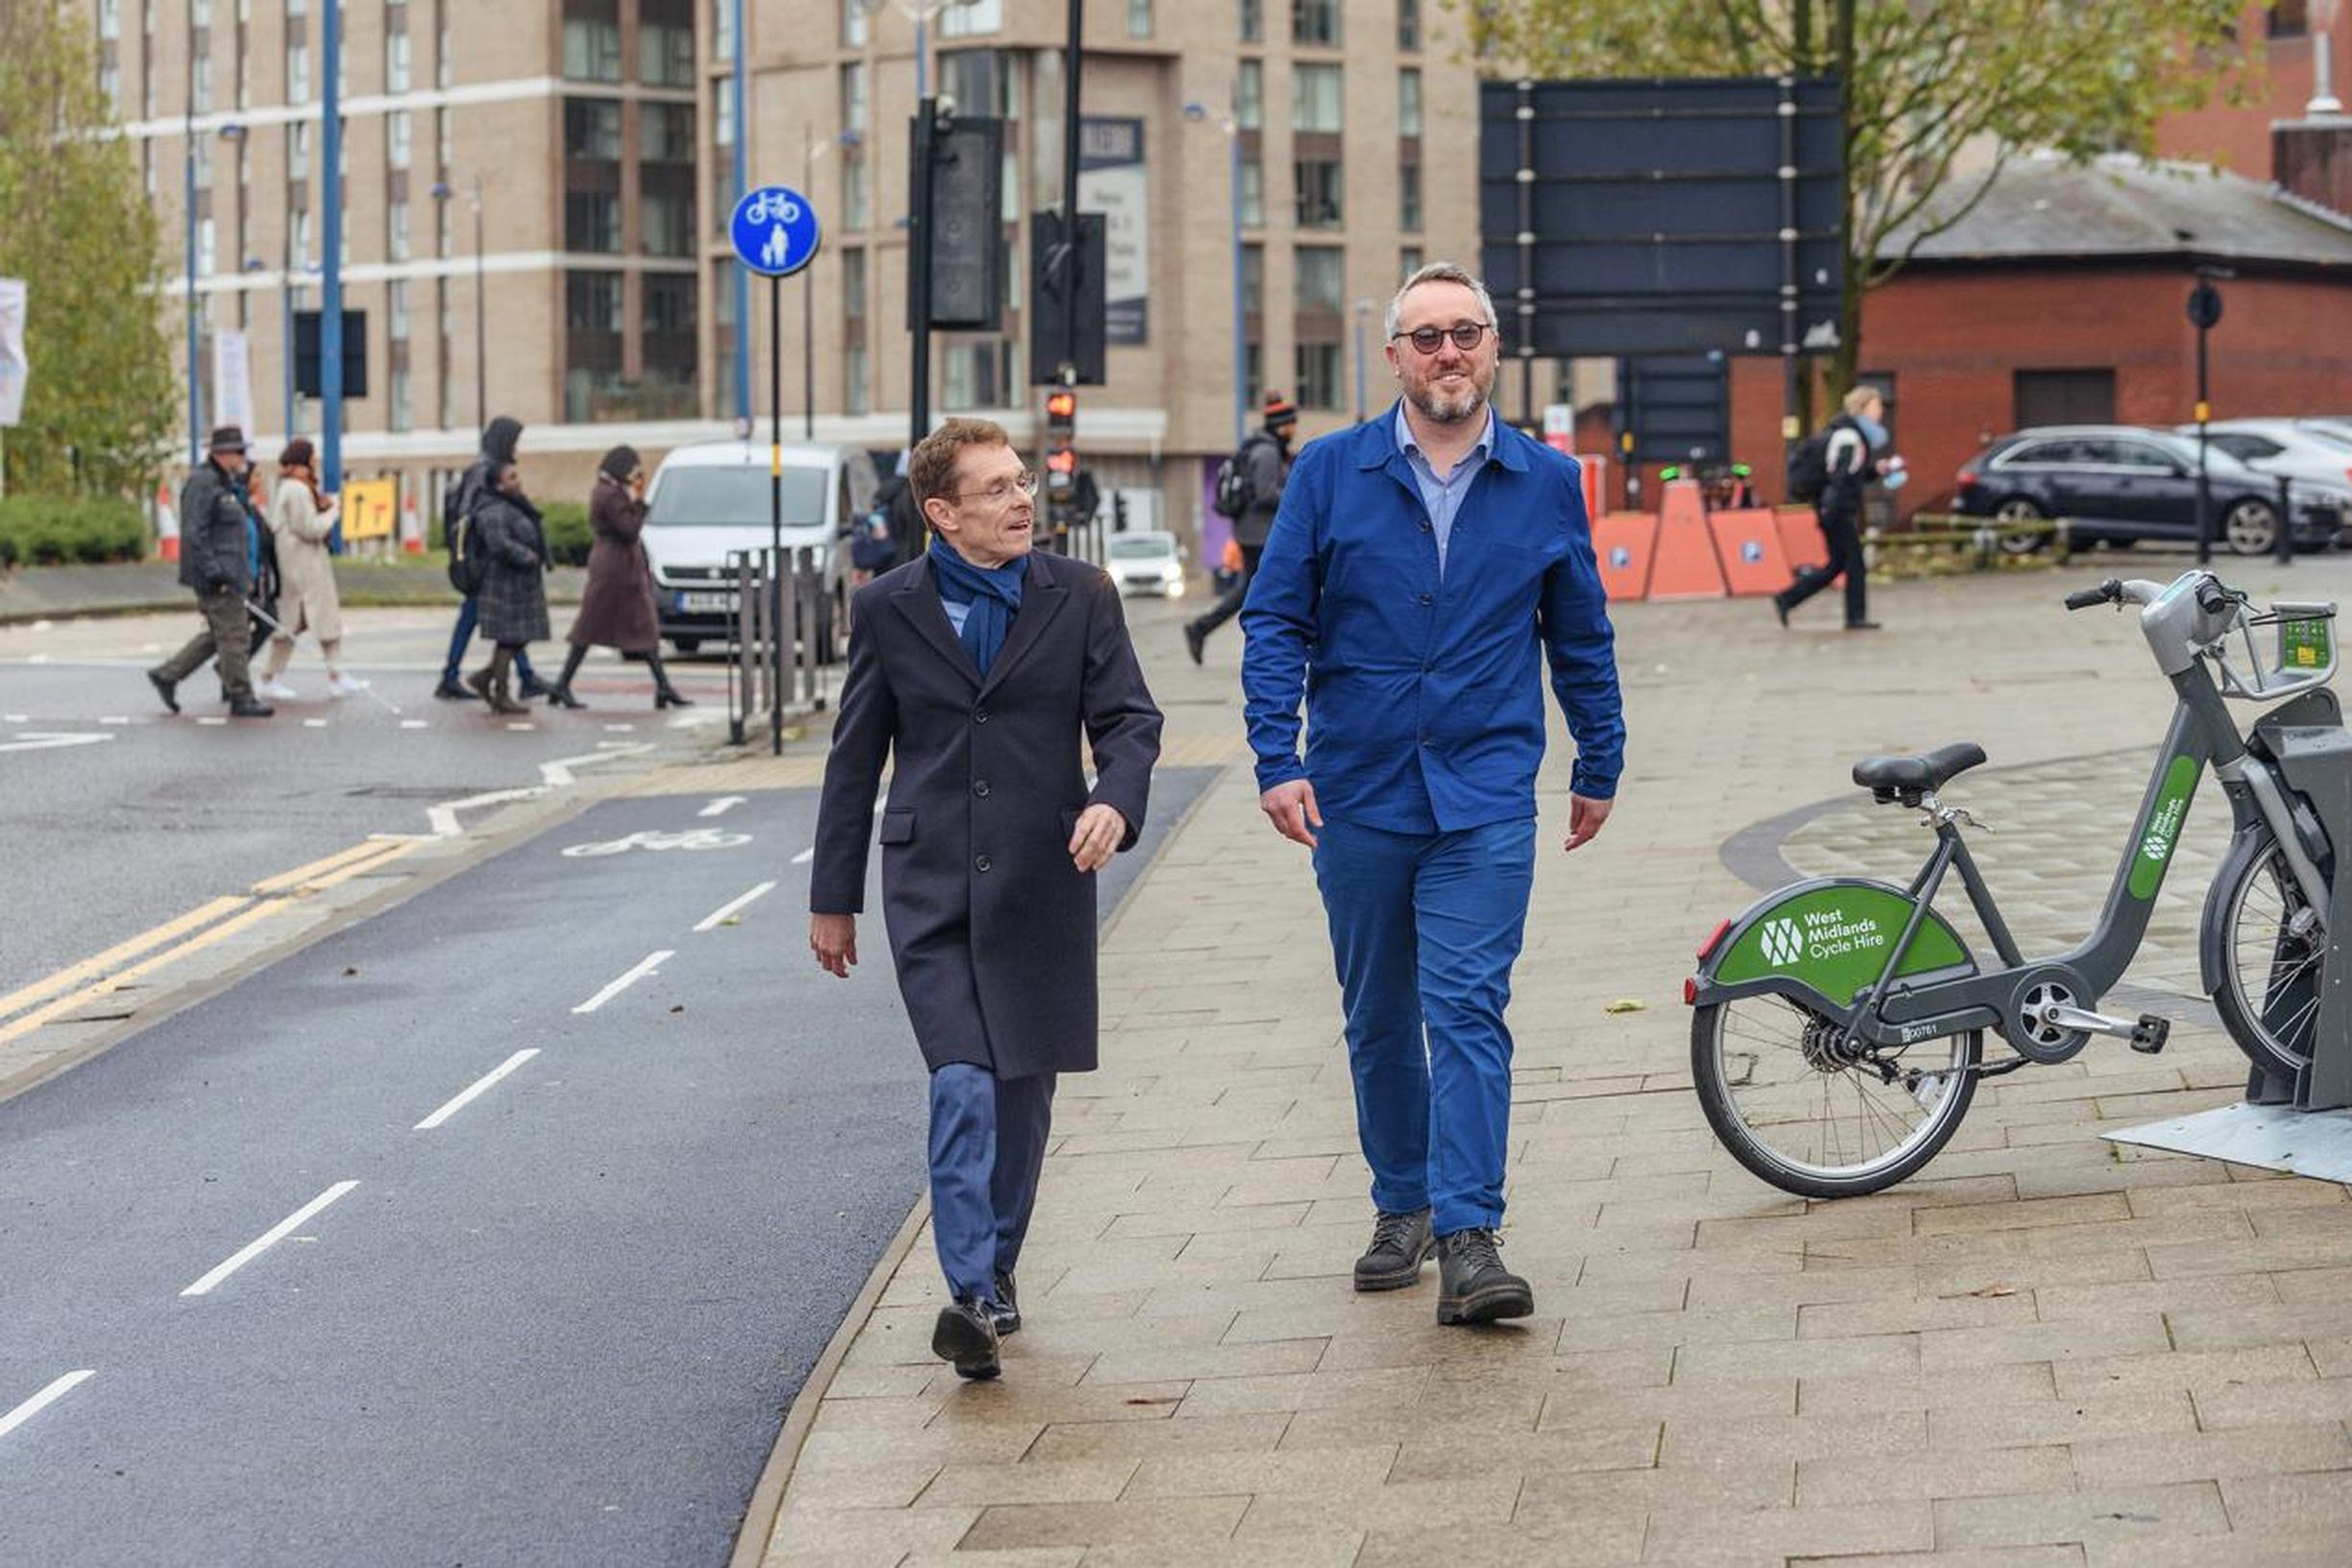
{"x":1455,"y":411}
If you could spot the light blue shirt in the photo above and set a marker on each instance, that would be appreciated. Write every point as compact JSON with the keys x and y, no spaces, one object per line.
{"x":957,"y":614}
{"x":1442,"y":496}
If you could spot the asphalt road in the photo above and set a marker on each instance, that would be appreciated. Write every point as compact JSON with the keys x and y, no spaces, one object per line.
{"x":563,"y":1324}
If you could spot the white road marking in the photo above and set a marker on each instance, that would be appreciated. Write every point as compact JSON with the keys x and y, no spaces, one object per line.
{"x":720,"y":807}
{"x":620,"y":729}
{"x":15,"y":718}
{"x":47,"y":1397}
{"x":804,"y":855}
{"x":719,"y":917}
{"x":268,"y":1239}
{"x":472,"y":1092}
{"x":38,"y":741}
{"x":215,"y":721}
{"x":444,"y":817}
{"x":521,"y":726}
{"x":557,"y":773}
{"x":647,"y":966}
{"x":314,"y":724}
{"x":41,"y":626}
{"x":414,"y":724}
{"x":37,"y":658}
{"x":116,"y":718}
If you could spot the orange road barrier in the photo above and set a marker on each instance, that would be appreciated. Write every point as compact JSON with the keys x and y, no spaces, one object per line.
{"x":1687,"y":567}
{"x":1594,"y":471}
{"x":1748,"y":543}
{"x":1801,"y":541}
{"x":1625,"y":543}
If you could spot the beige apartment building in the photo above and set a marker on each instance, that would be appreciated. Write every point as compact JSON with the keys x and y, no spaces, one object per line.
{"x":594,"y":143}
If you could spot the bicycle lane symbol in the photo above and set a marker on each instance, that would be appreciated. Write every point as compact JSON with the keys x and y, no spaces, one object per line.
{"x":695,"y":838}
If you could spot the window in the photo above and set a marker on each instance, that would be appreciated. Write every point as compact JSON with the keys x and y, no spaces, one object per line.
{"x":591,"y":302}
{"x":1319,"y":278}
{"x":591,"y":130}
{"x":396,"y":230}
{"x":2064,"y":397}
{"x":977,"y":376}
{"x":859,"y":394}
{"x":592,"y":348}
{"x":666,"y":133}
{"x":853,"y":284}
{"x":668,"y":219}
{"x":396,"y":313}
{"x":2244,"y":447}
{"x":396,"y":135}
{"x":665,"y":54}
{"x":206,"y":240}
{"x":856,"y":201}
{"x":1254,"y":21}
{"x":592,"y":220}
{"x":1316,"y":186}
{"x":398,"y":414}
{"x":591,"y":49}
{"x":1249,"y":96}
{"x":445,"y":141}
{"x":1138,"y":19}
{"x":722,"y":27}
{"x":298,"y":71}
{"x":1319,"y":375}
{"x":670,"y":304}
{"x":298,"y":150}
{"x":976,"y":79}
{"x":1253,"y":374}
{"x":1409,"y":102}
{"x":853,"y":103}
{"x":1409,"y":24}
{"x":1254,"y":280}
{"x":109,"y":18}
{"x":202,"y":74}
{"x":110,"y":83}
{"x":1409,"y":197}
{"x":975,"y":20}
{"x":853,"y":24}
{"x":2289,"y":18}
{"x":1316,"y":99}
{"x":396,"y":59}
{"x":1315,"y":21}
{"x":1408,"y":261}
{"x":2141,"y":454}
{"x":1254,"y":194}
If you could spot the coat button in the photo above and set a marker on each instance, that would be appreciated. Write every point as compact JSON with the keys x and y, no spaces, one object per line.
{"x":979,"y":715}
{"x":980,"y":788}
{"x":1424,"y":525}
{"x":1428,"y":597}
{"x":980,"y":862}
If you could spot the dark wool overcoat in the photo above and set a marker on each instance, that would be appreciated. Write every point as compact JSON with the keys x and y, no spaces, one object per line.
{"x":514,"y":591}
{"x":991,"y":927}
{"x":616,"y":609}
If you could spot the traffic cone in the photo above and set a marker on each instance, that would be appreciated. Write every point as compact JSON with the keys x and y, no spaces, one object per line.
{"x":412,"y":538}
{"x":167,"y":524}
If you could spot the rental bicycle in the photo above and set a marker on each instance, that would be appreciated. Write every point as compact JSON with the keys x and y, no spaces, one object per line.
{"x":1839,"y":1023}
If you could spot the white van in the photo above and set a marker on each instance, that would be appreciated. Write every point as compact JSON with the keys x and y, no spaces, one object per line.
{"x":712,"y":497}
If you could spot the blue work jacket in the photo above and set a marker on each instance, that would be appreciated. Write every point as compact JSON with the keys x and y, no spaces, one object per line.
{"x":1424,"y":702}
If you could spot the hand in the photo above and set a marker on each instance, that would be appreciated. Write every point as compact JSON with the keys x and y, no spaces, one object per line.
{"x":1586,"y":815}
{"x":1100,"y":831}
{"x":1291,"y":807}
{"x":637,"y":484}
{"x":214,"y":585}
{"x":834,"y":939}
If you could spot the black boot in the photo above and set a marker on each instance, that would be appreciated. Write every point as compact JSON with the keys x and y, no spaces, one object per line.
{"x":167,"y":689}
{"x":450,"y":691}
{"x":1474,"y":1287}
{"x":665,"y":695}
{"x":1401,"y":1243}
{"x":560,"y":694}
{"x":965,"y":1338}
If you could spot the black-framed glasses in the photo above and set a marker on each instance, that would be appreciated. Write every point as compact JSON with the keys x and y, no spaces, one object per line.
{"x":1467,"y":335}
{"x":998,"y":494}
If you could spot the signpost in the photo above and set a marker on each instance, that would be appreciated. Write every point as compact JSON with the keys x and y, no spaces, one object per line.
{"x":775,"y":234}
{"x":2205,"y":313}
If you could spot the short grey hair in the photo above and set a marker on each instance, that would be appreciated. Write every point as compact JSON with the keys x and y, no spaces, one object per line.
{"x":1440,"y":271}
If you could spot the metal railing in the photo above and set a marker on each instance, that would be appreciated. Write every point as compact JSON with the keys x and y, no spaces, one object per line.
{"x":781,"y":639}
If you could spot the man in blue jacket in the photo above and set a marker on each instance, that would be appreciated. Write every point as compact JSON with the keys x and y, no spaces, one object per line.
{"x":1419,"y":568}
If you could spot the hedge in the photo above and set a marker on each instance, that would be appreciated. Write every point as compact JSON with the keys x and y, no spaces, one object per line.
{"x":569,"y":535}
{"x":48,"y":530}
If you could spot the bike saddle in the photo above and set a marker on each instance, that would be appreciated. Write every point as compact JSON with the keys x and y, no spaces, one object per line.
{"x":1887,"y":776}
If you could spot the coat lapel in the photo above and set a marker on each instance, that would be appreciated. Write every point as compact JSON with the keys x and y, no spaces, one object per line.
{"x":1041,"y":600}
{"x":919,"y":602}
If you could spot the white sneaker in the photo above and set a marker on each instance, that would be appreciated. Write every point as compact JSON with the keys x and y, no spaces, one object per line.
{"x":346,"y":686}
{"x":277,"y":692}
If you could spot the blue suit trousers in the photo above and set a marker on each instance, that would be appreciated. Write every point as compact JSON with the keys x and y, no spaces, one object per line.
{"x":1425,"y":930}
{"x":988,"y":1150}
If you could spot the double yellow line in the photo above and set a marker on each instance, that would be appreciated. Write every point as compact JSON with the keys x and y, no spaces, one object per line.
{"x":125,"y":963}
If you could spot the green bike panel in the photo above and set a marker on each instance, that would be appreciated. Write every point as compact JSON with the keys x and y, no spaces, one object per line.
{"x":2164,"y":823}
{"x":1836,"y":940}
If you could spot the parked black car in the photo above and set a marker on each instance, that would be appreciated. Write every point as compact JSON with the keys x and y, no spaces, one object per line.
{"x":2124,"y":484}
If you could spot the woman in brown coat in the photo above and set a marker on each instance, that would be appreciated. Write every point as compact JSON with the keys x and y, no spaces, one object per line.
{"x":618,"y":608}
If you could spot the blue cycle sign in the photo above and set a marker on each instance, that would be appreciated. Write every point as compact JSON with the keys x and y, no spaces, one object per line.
{"x":774,"y":230}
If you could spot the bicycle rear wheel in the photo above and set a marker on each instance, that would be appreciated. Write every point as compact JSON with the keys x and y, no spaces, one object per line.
{"x":2271,"y":946}
{"x":1792,"y":1107}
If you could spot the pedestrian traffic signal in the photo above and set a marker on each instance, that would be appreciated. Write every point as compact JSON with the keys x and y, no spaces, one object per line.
{"x":1061,"y":413}
{"x":1060,"y":470}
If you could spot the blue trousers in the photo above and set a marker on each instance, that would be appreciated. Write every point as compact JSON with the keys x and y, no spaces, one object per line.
{"x":987,"y":1148}
{"x":1425,"y":930}
{"x":468,"y":615}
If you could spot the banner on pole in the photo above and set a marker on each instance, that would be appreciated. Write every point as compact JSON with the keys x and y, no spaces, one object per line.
{"x":369,"y":506}
{"x":232,"y":380}
{"x":15,"y":368}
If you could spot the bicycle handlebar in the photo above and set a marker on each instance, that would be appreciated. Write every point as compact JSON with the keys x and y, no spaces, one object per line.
{"x":2107,"y":592}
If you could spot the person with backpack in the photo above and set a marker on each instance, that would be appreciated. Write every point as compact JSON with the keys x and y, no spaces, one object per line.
{"x":500,"y":438}
{"x":1832,"y":469}
{"x":1248,"y":491}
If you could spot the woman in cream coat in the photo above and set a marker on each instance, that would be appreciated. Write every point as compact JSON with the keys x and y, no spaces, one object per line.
{"x":301,"y":518}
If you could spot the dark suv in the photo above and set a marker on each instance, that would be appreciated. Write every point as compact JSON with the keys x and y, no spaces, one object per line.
{"x":2122,"y":483}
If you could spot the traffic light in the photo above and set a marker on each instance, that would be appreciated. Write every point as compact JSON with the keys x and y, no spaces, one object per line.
{"x":1062,"y":414}
{"x":1061,"y":450}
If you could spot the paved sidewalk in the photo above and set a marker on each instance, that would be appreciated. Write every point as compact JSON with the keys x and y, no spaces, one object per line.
{"x":137,"y":586}
{"x":2048,"y":1350}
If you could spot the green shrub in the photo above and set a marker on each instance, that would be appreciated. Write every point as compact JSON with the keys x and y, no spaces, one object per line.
{"x":50,"y":530}
{"x":569,"y":535}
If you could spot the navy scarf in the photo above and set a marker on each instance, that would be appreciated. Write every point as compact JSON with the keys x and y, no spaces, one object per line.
{"x":993,"y":592}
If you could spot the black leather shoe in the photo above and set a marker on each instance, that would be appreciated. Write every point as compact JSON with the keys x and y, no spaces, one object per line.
{"x":248,"y":708}
{"x":561,"y":696}
{"x":451,"y":691}
{"x":669,"y":696}
{"x":1005,"y":1306}
{"x":1474,"y":1287}
{"x":168,"y":690}
{"x":965,"y":1338}
{"x":533,"y":688}
{"x":1861,"y":626}
{"x":1194,"y":640}
{"x":1401,"y":1243}
{"x":1779,"y":608}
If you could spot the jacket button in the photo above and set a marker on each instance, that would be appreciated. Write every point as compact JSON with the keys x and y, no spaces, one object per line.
{"x":980,"y":788}
{"x":980,"y":862}
{"x":979,"y":715}
{"x":1424,"y":525}
{"x":1428,"y":597}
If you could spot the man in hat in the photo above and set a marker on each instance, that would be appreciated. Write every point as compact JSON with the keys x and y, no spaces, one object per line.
{"x":219,"y":554}
{"x":1264,"y":463}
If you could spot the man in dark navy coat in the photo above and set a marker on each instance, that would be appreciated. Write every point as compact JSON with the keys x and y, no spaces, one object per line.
{"x":976,"y":670}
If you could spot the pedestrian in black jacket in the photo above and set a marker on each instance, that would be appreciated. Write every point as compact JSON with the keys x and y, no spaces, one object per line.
{"x":218,"y":544}
{"x":500,"y":438}
{"x":1857,"y":431}
{"x":513,"y":598}
{"x":1264,"y":463}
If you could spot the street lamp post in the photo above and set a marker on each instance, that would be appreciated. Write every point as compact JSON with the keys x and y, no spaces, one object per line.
{"x":196,"y":392}
{"x":1232,"y":128}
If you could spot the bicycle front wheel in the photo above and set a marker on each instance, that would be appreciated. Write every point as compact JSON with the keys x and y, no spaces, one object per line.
{"x":2273,"y":943}
{"x":1796,"y":1109}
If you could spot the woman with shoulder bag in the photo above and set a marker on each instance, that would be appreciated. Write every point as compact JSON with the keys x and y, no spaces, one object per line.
{"x":618,"y":609}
